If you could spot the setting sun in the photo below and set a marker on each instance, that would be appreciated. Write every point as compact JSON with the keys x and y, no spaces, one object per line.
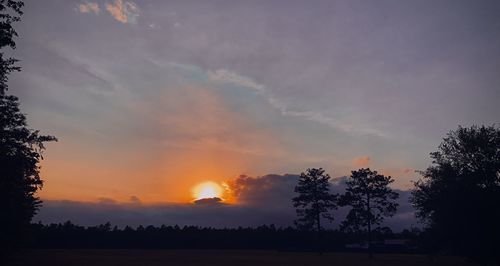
{"x":207,"y":190}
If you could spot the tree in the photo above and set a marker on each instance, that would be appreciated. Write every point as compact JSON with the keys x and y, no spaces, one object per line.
{"x":10,"y":12}
{"x":458,"y":196}
{"x":371,"y":200}
{"x":20,"y":147}
{"x":314,"y":200}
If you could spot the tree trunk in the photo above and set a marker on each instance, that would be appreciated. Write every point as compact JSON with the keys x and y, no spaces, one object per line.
{"x":370,"y":252}
{"x":318,"y":220}
{"x":320,"y":244}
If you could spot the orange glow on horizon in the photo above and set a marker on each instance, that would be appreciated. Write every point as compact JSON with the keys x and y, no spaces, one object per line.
{"x":189,"y":146}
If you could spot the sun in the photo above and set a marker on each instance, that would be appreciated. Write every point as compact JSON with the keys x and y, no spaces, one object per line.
{"x":207,"y":189}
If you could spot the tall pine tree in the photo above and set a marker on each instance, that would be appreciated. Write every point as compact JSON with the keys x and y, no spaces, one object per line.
{"x":315,"y":201}
{"x":371,"y":200}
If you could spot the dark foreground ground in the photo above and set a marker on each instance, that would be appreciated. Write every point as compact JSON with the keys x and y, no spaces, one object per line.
{"x":217,"y":257}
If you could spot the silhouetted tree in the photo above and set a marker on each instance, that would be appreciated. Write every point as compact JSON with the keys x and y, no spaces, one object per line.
{"x":315,"y":201}
{"x":20,"y":147}
{"x":10,"y":12}
{"x":459,"y":194}
{"x":371,"y":200}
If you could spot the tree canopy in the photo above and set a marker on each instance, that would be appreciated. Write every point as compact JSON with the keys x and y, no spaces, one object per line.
{"x":10,"y":12}
{"x":20,"y":146}
{"x":458,"y":196}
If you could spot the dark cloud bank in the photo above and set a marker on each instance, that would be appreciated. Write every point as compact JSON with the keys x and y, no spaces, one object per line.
{"x":262,"y":200}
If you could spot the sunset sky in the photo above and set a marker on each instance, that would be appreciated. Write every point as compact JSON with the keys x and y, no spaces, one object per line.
{"x":150,"y":98}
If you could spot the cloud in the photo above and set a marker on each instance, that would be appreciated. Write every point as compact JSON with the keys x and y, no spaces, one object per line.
{"x":226,"y":76}
{"x":270,"y":191}
{"x":222,"y":76}
{"x":123,"y":214}
{"x":363,"y":161}
{"x":324,"y":119}
{"x":208,"y":201}
{"x":135,"y":200}
{"x":89,"y":7}
{"x":123,"y":11}
{"x":274,"y":192}
{"x":260,"y":200}
{"x":408,"y":170}
{"x":105,"y":200}
{"x":217,"y":127}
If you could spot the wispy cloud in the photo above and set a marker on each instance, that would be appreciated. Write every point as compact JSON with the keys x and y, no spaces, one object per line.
{"x":226,"y":76}
{"x":123,"y":11}
{"x":230,"y":77}
{"x":89,"y":7}
{"x":324,"y":119}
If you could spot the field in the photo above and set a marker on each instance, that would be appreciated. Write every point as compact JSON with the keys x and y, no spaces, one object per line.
{"x":217,"y":257}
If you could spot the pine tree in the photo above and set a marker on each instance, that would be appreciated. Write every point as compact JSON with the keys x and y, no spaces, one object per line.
{"x":315,"y":201}
{"x":371,"y":200}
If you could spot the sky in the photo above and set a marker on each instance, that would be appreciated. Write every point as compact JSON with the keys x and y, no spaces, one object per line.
{"x":150,"y":98}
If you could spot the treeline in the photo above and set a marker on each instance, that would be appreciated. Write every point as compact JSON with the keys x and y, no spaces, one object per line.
{"x":266,"y":237}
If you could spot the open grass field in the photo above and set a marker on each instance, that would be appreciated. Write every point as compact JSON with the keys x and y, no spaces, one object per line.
{"x":218,"y":257}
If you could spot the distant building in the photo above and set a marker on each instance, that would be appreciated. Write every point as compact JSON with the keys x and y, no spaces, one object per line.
{"x":396,"y":242}
{"x":362,"y":245}
{"x":388,"y":245}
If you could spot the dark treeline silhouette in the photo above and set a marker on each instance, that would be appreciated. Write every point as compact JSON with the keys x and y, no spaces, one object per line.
{"x":69,"y":235}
